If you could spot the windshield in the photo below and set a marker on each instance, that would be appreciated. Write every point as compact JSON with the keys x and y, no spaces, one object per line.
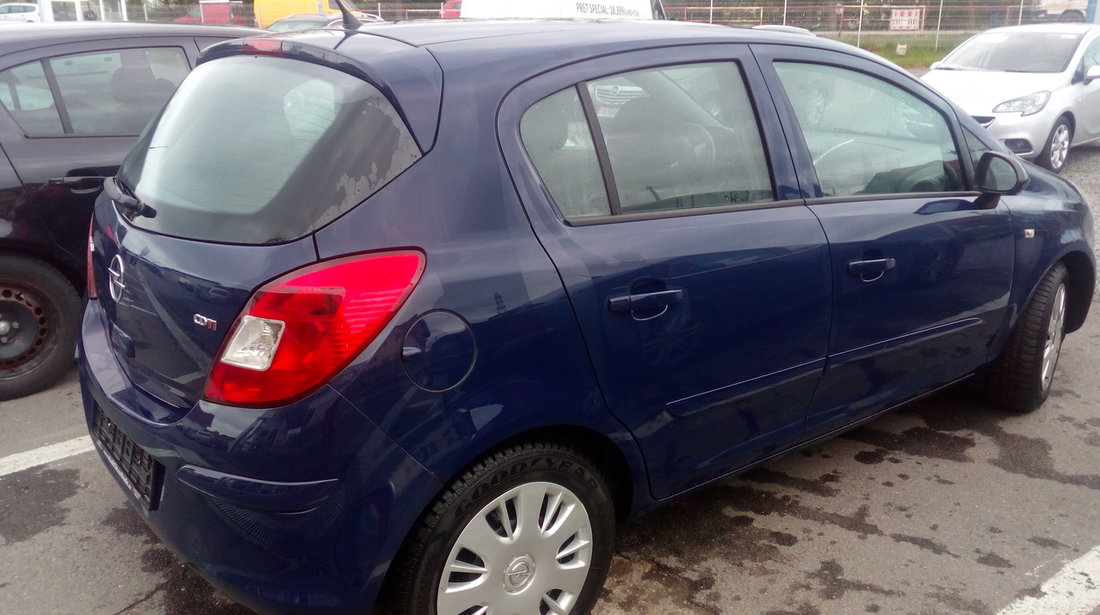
{"x":294,"y":25}
{"x":1023,"y":52}
{"x":262,"y":150}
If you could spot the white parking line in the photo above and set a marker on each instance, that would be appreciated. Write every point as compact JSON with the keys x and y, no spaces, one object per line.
{"x":1075,"y":590}
{"x":46,"y":454}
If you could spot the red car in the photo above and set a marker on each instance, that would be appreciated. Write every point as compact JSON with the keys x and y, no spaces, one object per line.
{"x":233,"y":13}
{"x":450,"y":9}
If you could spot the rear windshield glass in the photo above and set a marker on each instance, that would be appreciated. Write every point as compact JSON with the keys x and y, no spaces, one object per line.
{"x":1018,"y":52}
{"x":264,"y":150}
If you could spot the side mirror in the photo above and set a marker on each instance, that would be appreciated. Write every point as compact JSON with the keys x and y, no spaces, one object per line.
{"x":1092,"y":74}
{"x":999,"y":174}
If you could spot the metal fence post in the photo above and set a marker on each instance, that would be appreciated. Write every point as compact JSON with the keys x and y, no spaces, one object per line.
{"x":859,"y":27}
{"x":939,"y":23}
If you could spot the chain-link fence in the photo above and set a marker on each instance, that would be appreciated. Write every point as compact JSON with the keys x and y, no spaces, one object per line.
{"x":911,"y":32}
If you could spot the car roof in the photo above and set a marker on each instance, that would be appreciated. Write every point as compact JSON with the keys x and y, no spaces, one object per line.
{"x":407,"y":60}
{"x":551,"y":39}
{"x":1053,"y":27}
{"x":22,"y":37}
{"x":487,"y":32}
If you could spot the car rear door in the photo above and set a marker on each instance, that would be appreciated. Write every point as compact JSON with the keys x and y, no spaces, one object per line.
{"x":72,"y":113}
{"x":699,"y":279}
{"x":921,"y":266}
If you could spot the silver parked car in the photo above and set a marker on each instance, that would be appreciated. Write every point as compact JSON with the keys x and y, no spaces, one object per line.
{"x":19,"y":12}
{"x":1036,"y":88}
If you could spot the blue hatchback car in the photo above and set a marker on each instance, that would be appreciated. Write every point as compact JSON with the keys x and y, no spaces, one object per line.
{"x":414,"y":315}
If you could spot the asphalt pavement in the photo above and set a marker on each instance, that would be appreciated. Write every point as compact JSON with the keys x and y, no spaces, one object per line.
{"x":946,"y":506}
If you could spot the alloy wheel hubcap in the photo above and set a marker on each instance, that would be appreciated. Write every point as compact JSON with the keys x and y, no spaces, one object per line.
{"x":1055,"y":334}
{"x":1059,"y":146}
{"x":529,"y":551}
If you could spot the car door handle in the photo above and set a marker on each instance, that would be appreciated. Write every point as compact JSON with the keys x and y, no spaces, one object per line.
{"x":79,"y":184}
{"x":645,"y":301}
{"x":871,"y":270}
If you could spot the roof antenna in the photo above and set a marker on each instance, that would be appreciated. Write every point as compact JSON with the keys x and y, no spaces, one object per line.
{"x":351,"y":22}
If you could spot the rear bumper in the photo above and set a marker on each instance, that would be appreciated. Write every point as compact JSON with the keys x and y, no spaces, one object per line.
{"x":297,"y":509}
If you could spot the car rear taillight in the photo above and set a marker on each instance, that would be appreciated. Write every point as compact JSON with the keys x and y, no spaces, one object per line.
{"x":263,"y":46}
{"x":298,"y":331}
{"x":89,"y":269}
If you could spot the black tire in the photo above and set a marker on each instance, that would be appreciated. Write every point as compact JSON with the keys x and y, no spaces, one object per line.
{"x":1055,"y":153}
{"x":39,"y":318}
{"x":1020,"y":378}
{"x":417,"y":573}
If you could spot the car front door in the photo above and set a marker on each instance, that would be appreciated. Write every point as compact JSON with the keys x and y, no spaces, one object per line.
{"x":921,"y":266}
{"x":1087,"y":101}
{"x":70,"y":118}
{"x":699,"y":278}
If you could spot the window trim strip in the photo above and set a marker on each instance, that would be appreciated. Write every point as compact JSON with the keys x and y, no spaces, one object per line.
{"x":58,"y":101}
{"x":601,"y":148}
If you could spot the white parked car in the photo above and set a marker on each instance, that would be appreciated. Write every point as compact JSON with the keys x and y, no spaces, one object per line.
{"x":19,"y":12}
{"x":1036,"y":88}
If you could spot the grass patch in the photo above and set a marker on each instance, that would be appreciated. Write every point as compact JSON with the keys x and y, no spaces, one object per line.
{"x":921,"y":50}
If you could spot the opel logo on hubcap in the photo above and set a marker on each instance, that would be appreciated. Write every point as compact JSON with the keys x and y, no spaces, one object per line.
{"x":115,"y":272}
{"x":519,"y":573}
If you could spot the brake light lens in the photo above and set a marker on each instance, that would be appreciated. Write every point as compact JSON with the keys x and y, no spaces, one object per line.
{"x":89,"y":269}
{"x":300,"y":330}
{"x":263,"y":46}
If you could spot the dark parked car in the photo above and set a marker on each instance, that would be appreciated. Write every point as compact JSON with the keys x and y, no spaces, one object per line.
{"x":74,"y":98}
{"x":309,"y":21}
{"x":405,"y":313}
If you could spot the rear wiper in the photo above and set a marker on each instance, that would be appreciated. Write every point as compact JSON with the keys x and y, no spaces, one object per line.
{"x":122,"y":195}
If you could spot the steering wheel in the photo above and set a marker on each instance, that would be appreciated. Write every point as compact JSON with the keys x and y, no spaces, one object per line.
{"x":694,"y":147}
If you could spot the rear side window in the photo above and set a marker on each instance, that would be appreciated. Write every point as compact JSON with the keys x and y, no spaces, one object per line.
{"x":261,"y":150}
{"x":676,"y":138}
{"x":117,"y":92}
{"x":103,"y":93}
{"x":25,"y":93}
{"x":557,"y":138}
{"x":682,"y":137}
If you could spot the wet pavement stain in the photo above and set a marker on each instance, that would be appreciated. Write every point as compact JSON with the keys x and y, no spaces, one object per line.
{"x":750,"y":499}
{"x":663,"y":584}
{"x":831,"y":575}
{"x":818,"y":486}
{"x":783,"y":539}
{"x":698,"y":527}
{"x":125,"y":521}
{"x":805,"y":609}
{"x":924,"y":543}
{"x":952,"y":599}
{"x":183,"y":591}
{"x":30,"y":502}
{"x":1049,"y":543}
{"x":157,"y":560}
{"x":1017,"y":454}
{"x":993,"y":560}
{"x":871,"y":458}
{"x":915,"y":441}
{"x":1031,"y":592}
